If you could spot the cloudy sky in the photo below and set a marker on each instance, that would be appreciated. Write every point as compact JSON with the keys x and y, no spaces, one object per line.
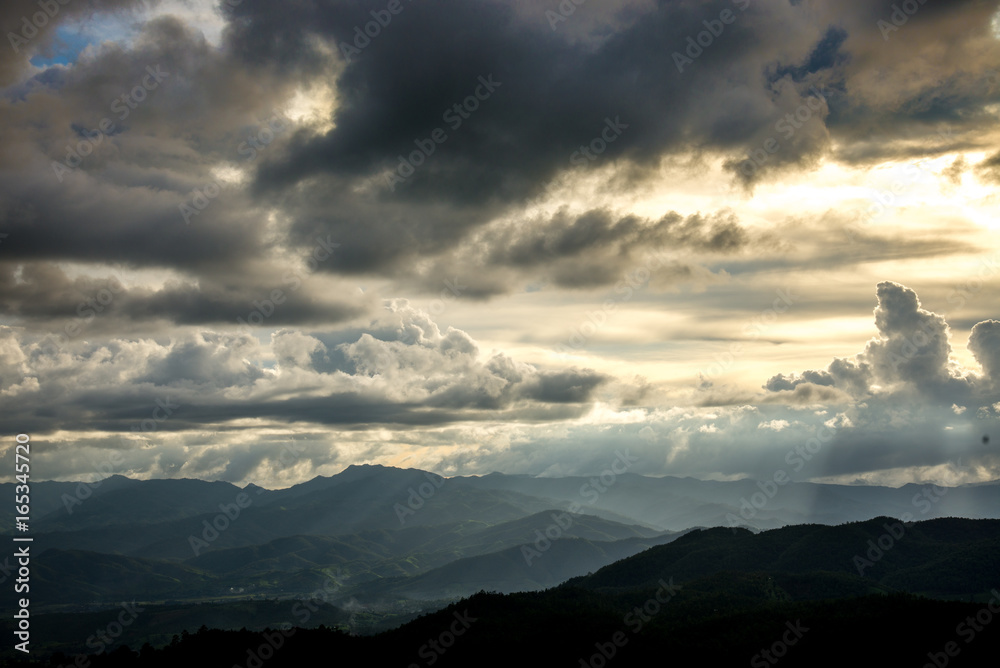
{"x":263,"y":241}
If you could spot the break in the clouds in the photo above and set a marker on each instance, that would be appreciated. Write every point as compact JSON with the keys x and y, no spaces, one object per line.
{"x":501,"y":235}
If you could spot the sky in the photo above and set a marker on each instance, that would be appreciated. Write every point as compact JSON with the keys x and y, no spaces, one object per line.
{"x":260,"y":242}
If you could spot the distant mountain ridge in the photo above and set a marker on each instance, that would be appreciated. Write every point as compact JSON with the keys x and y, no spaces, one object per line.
{"x":396,"y":534}
{"x":661,"y":503}
{"x":947,"y":557}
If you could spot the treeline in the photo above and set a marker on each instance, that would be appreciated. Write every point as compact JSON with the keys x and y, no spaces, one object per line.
{"x":575,"y":627}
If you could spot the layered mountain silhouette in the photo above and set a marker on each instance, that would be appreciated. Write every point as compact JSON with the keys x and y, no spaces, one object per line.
{"x":708,"y":594}
{"x":405,"y":534}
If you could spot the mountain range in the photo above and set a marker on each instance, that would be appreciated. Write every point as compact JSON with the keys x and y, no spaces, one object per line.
{"x":391,"y":534}
{"x":846,"y":591}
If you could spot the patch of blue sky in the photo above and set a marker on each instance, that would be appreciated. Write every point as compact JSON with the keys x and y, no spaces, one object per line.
{"x":64,"y":49}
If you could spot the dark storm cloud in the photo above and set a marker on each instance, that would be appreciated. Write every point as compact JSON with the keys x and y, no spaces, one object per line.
{"x":915,"y":83}
{"x":566,"y":237}
{"x":592,"y":249}
{"x":781,"y":382}
{"x":582,"y":112}
{"x":189,"y":304}
{"x":608,"y":87}
{"x":552,"y":95}
{"x":990,"y":168}
{"x":379,"y":238}
{"x":564,"y":387}
{"x":94,"y":176}
{"x":28,"y":27}
{"x":558,"y":90}
{"x":41,"y":294}
{"x":556,"y":93}
{"x":571,"y":250}
{"x":102,"y":157}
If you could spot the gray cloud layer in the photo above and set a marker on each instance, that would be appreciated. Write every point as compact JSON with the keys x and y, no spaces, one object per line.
{"x":561,"y":88}
{"x":311,"y":232}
